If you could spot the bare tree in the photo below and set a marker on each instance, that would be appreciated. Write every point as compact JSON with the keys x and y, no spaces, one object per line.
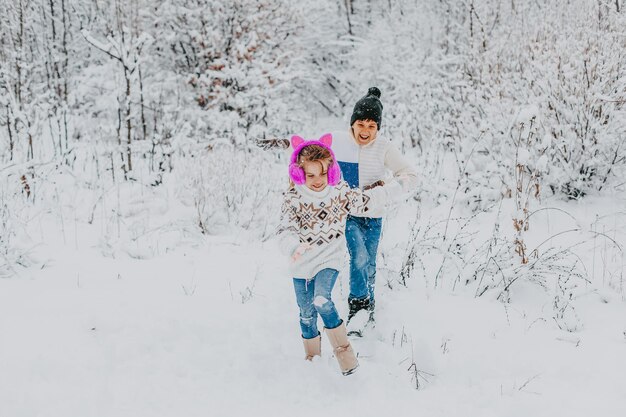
{"x":125,"y":46}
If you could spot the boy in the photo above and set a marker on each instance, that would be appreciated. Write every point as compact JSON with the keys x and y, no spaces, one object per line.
{"x":365,"y":159}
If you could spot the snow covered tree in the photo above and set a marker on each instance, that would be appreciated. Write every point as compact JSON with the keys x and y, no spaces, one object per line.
{"x":237,"y":57}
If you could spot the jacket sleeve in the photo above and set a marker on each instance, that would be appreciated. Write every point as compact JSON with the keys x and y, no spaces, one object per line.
{"x":287,"y":232}
{"x":362,"y":202}
{"x":405,"y":177}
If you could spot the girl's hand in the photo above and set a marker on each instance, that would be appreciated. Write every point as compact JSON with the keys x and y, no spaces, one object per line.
{"x":299,"y":251}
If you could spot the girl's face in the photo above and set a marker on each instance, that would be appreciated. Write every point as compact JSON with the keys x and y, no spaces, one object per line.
{"x":316,"y":173}
{"x":364,"y":131}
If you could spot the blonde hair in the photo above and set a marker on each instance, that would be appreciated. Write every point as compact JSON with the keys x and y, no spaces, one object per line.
{"x":315,"y":153}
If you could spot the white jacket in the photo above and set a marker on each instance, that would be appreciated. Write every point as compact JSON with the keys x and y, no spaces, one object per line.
{"x":362,"y":165}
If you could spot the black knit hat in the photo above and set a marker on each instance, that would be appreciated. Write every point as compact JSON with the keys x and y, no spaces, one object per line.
{"x":368,"y":108}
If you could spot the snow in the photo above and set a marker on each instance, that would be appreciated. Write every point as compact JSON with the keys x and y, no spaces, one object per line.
{"x":160,"y":292}
{"x":523,"y":156}
{"x":211,"y":327}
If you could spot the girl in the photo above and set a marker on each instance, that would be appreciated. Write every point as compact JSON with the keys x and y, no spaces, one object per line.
{"x":313,"y":222}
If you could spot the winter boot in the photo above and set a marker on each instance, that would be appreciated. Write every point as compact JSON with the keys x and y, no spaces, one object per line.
{"x":370,"y":308}
{"x":341,"y":347}
{"x":357,"y":304}
{"x":312,"y":347}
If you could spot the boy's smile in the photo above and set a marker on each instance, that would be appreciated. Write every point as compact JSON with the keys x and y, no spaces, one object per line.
{"x":364,"y":131}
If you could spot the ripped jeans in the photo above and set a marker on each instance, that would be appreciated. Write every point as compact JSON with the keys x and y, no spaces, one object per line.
{"x":314,"y":297}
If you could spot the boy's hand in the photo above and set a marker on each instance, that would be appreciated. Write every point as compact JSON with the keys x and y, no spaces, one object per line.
{"x":303,"y":247}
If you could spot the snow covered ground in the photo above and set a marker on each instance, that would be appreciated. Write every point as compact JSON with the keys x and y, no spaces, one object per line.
{"x":208,"y":326}
{"x":113,"y":303}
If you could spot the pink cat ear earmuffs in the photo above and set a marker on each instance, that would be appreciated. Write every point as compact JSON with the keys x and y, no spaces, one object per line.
{"x":296,"y":173}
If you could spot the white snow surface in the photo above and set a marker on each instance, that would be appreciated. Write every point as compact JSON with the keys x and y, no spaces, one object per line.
{"x":196,"y":325}
{"x":113,"y":303}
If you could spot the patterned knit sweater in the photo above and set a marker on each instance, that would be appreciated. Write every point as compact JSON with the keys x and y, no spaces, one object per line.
{"x":319,"y":218}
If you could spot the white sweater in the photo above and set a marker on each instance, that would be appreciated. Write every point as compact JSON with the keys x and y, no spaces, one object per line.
{"x":319,"y":218}
{"x":362,"y":165}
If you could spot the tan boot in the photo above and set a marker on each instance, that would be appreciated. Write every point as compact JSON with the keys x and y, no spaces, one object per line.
{"x":312,"y":347}
{"x":342,"y":349}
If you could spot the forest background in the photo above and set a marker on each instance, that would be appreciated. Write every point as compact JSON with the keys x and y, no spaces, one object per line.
{"x":130,"y":130}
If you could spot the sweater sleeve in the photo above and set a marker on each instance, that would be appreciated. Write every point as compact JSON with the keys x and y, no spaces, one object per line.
{"x":403,"y":173}
{"x":288,"y":239}
{"x":361,"y":202}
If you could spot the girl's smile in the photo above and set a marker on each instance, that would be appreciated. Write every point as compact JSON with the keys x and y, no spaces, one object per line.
{"x":316,"y":175}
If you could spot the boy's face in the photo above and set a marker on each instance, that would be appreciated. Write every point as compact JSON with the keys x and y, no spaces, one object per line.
{"x":316,"y":173}
{"x":365,"y":131}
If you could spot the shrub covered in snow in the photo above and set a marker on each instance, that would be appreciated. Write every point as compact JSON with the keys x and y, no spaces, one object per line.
{"x":233,"y":188}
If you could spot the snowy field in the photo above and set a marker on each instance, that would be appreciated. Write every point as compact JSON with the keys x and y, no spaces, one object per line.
{"x":138,"y":272}
{"x":209,"y":326}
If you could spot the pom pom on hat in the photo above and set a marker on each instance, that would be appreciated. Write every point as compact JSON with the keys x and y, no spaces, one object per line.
{"x":373,"y":91}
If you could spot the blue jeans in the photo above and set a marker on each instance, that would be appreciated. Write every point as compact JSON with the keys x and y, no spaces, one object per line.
{"x":314,"y":297}
{"x":362,"y":236}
